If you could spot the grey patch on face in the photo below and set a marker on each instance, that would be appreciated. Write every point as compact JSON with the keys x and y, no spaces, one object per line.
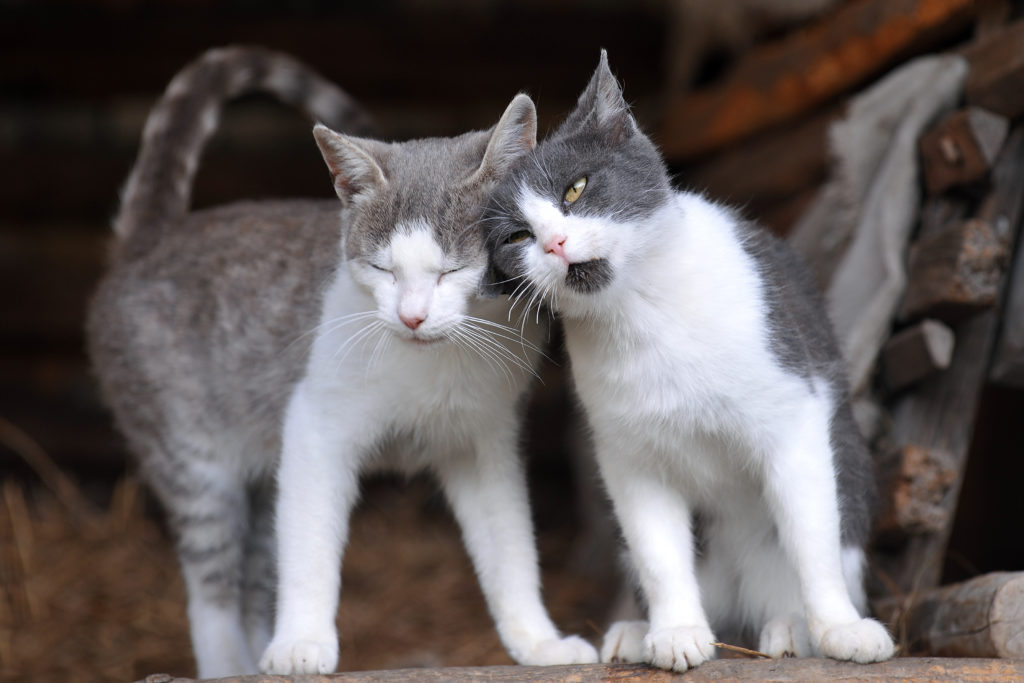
{"x":426,"y":182}
{"x":802,"y":340}
{"x":589,"y":276}
{"x":626,"y":177}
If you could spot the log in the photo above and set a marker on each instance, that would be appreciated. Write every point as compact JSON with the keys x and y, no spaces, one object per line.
{"x":916,"y":353}
{"x":996,"y":81}
{"x":939,"y":416}
{"x":784,"y":79}
{"x":956,"y":272}
{"x":960,"y":149}
{"x":983,"y":617}
{"x":915,"y":485}
{"x":932,"y":669}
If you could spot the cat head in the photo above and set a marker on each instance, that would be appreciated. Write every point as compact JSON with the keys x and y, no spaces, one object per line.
{"x":572,"y":215}
{"x":411,"y":238}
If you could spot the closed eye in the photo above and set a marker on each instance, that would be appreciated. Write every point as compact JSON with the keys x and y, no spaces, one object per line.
{"x":381,"y":269}
{"x":449,"y":272}
{"x":519,"y":236}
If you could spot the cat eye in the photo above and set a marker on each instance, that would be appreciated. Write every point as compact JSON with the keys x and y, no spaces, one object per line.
{"x":520,"y":236}
{"x":574,"y":191}
{"x":448,"y":272}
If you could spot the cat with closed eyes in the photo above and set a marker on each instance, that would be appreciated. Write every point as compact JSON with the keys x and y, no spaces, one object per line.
{"x":714,"y":390}
{"x":334,"y":339}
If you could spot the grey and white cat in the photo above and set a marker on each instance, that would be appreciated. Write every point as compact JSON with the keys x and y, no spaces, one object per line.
{"x":714,"y":389}
{"x":359,"y":323}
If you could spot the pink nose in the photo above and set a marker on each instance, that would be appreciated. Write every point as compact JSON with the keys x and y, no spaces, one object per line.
{"x":411,"y":321}
{"x":555,"y":246}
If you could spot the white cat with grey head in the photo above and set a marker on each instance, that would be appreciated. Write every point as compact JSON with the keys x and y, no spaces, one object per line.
{"x":713,"y":387}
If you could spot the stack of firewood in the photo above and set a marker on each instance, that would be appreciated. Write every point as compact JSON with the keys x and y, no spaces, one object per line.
{"x":759,"y":136}
{"x":961,"y":325}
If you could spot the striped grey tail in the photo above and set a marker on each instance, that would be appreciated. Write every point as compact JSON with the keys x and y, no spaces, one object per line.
{"x":159,"y":189}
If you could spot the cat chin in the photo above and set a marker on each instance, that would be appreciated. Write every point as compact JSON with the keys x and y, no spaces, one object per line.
{"x":424,"y":341}
{"x":421,"y":340}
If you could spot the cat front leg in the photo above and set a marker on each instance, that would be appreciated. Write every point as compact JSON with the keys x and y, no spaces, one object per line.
{"x":488,"y":494}
{"x":656,"y":523}
{"x":317,"y":488}
{"x":801,"y":492}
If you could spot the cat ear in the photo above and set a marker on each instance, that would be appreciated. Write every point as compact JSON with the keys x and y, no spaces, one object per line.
{"x":514,"y":135}
{"x":602,"y":104}
{"x":351,"y":162}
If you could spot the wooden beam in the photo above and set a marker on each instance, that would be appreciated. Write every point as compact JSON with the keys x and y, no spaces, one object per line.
{"x":939,"y":416}
{"x":932,"y":670}
{"x":781,"y":80}
{"x":983,"y":617}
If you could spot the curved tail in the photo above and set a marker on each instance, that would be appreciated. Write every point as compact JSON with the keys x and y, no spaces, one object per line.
{"x":159,"y":188}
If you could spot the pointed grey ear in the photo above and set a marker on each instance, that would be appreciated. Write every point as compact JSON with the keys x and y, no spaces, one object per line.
{"x":354,"y":170}
{"x":513,"y":136}
{"x":603,"y":106}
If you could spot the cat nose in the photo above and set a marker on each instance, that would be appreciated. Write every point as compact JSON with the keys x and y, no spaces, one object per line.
{"x":555,"y":246}
{"x":411,"y":321}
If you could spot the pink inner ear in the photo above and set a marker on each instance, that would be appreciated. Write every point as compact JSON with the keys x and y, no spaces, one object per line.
{"x":527,"y":140}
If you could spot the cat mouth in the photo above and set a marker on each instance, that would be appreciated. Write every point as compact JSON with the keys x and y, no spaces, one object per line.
{"x":587,"y":277}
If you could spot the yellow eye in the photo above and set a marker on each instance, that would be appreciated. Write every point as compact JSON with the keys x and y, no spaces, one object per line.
{"x":575,"y":190}
{"x":519,"y":236}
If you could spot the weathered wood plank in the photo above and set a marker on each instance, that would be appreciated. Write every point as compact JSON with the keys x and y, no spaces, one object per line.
{"x":781,"y":80}
{"x":935,"y":670}
{"x":983,"y":617}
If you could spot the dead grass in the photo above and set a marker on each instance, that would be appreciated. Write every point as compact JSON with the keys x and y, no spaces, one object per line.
{"x":89,"y":594}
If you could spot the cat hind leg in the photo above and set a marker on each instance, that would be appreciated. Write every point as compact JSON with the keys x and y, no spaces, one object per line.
{"x":259,"y":580}
{"x":624,"y":642}
{"x":208,"y":512}
{"x":801,"y":492}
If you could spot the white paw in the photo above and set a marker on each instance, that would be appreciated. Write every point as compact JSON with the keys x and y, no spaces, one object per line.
{"x":679,"y":648}
{"x":624,"y":642}
{"x":300,"y":656}
{"x":786,"y":637}
{"x":568,"y":650}
{"x":861,"y":641}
